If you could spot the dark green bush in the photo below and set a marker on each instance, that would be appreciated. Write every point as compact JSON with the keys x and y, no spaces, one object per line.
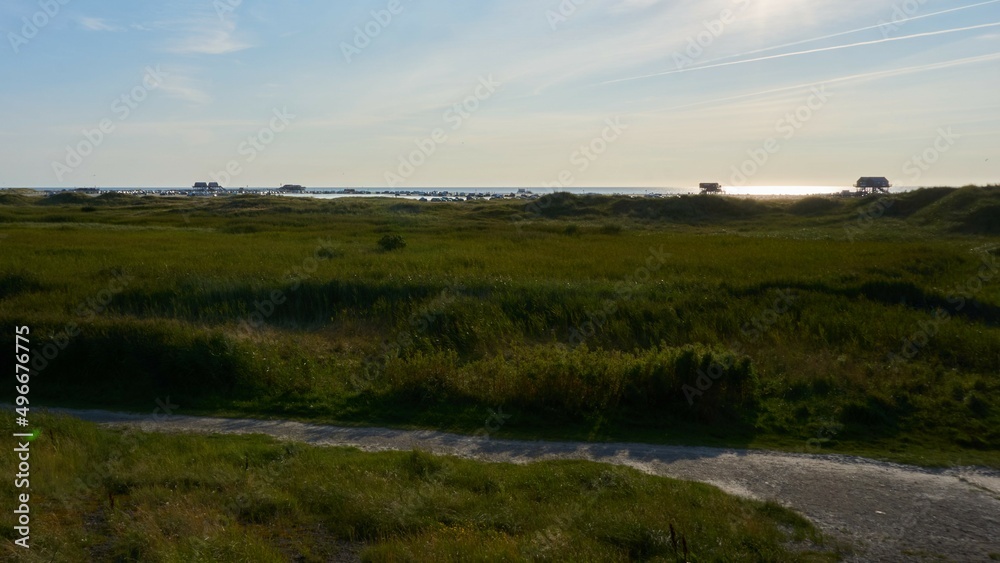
{"x":388,"y":243}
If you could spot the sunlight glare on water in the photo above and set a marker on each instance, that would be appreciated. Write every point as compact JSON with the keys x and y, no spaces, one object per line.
{"x":783,"y":190}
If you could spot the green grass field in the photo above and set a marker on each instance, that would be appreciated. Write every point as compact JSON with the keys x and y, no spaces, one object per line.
{"x":859,"y":326}
{"x":103,"y":495}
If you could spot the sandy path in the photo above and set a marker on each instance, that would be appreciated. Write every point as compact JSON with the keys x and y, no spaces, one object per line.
{"x":887,"y":512}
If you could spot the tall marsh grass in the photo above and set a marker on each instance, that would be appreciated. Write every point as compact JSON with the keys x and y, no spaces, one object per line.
{"x":479,"y":312}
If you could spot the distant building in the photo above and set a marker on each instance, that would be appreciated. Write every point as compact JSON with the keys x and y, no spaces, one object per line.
{"x":207,"y":186}
{"x":710,"y":188}
{"x":871,"y":185}
{"x":292,"y":188}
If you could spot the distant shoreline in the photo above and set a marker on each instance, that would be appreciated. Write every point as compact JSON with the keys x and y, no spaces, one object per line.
{"x":761,"y":192}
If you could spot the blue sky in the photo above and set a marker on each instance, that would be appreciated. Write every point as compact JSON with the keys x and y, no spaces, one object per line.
{"x":582,"y":93}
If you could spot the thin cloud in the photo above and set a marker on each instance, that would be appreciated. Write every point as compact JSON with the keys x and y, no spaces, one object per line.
{"x":97,"y":24}
{"x":186,"y":93}
{"x":632,"y":5}
{"x":180,"y":86}
{"x":209,"y":37}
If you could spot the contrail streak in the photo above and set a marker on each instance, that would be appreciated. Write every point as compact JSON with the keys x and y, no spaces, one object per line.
{"x":842,"y":33}
{"x":867,"y":75}
{"x":807,"y":52}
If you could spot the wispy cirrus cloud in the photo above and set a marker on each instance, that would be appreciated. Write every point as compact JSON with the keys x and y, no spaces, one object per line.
{"x":181,"y":84}
{"x":208,"y":37}
{"x":631,"y":5}
{"x":186,"y":91}
{"x":97,"y":24}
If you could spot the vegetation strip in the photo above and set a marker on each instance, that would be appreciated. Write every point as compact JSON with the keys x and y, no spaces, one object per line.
{"x":125,"y":495}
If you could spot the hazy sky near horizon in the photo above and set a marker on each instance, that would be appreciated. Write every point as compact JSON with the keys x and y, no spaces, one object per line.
{"x":519,"y":93}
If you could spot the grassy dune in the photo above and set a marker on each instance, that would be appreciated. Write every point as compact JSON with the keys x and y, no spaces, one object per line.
{"x":863,"y":326}
{"x":102,"y":495}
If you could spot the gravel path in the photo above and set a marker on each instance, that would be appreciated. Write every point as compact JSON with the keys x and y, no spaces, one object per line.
{"x":885,"y":511}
